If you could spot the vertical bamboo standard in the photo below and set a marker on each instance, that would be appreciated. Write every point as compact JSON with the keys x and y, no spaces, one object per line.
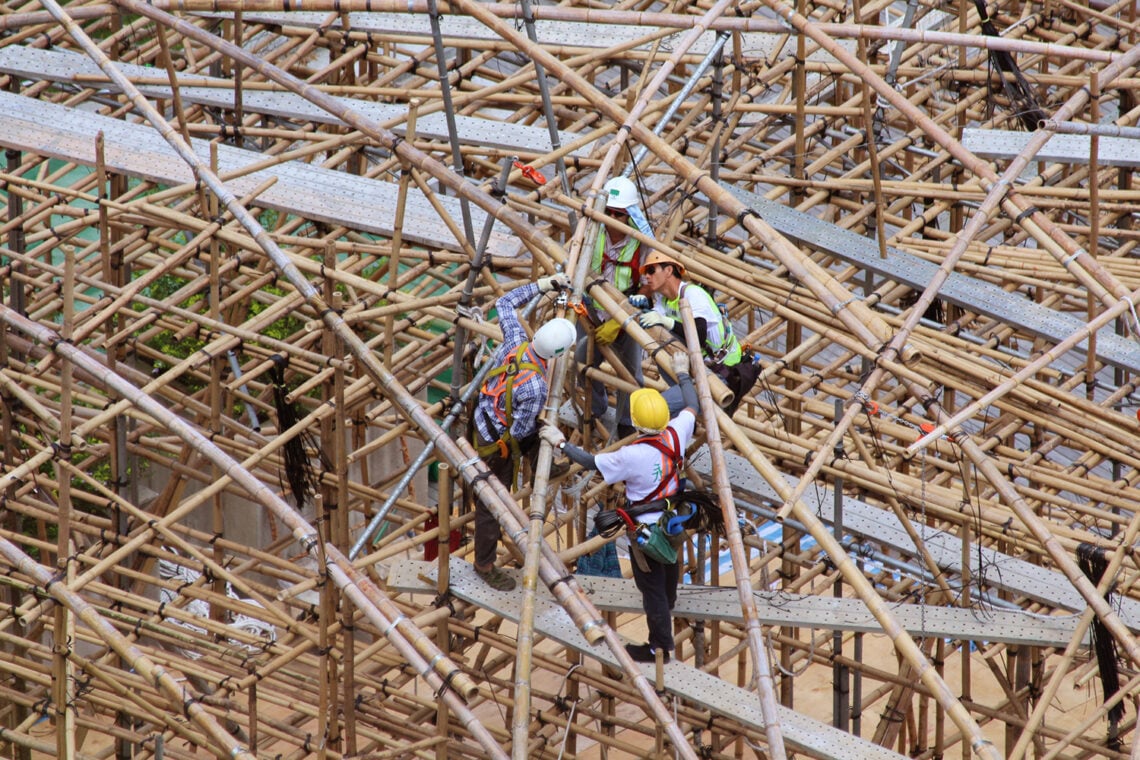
{"x":761,"y":670}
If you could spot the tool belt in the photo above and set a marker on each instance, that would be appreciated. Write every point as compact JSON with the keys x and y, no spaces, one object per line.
{"x":684,"y":511}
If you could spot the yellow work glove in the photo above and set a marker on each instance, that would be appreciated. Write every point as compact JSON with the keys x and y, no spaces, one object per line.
{"x":607,"y":332}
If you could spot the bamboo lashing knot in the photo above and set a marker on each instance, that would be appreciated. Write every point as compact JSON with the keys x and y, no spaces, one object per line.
{"x":844,"y":304}
{"x":745,"y":212}
{"x":445,"y":683}
{"x":1027,"y":212}
{"x":444,"y":600}
{"x":1070,"y":258}
{"x":1132,"y":311}
{"x":393,"y":623}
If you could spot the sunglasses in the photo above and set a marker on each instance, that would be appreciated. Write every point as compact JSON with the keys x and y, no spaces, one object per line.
{"x":617,"y":213}
{"x":652,"y":268}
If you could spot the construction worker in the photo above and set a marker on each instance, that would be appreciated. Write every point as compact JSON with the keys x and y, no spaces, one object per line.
{"x":617,"y":258}
{"x":509,"y":403}
{"x":663,"y":277}
{"x":651,"y":468}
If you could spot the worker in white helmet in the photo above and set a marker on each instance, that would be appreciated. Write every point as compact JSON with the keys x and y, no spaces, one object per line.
{"x":509,"y":404}
{"x":617,"y":258}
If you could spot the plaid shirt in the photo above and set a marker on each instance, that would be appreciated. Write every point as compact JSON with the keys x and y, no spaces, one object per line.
{"x":528,"y":396}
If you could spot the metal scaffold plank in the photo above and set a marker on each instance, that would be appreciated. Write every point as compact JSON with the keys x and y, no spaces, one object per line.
{"x":1065,"y":149}
{"x":969,"y":293}
{"x":988,"y":567}
{"x":760,"y":45}
{"x":307,"y":191}
{"x":551,"y":621}
{"x":58,"y":66}
{"x":805,"y":611}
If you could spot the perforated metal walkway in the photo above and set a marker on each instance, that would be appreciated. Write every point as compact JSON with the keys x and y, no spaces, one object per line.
{"x":759,"y":45}
{"x":972,"y":295}
{"x":995,"y":569}
{"x":137,"y":150}
{"x":807,"y":611}
{"x":1066,"y":149}
{"x":60,"y":66}
{"x":551,"y":621}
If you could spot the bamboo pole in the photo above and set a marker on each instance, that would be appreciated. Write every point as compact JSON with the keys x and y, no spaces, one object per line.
{"x":761,"y":670}
{"x":162,"y":680}
{"x":1075,"y":259}
{"x":461,"y":456}
{"x":538,"y":500}
{"x":637,"y":18}
{"x":906,"y":647}
{"x":1077,"y":474}
{"x":1122,"y":306}
{"x":418,"y":649}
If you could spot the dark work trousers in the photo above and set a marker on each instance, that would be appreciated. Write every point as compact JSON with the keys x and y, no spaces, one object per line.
{"x":629,"y":354}
{"x":658,"y":586}
{"x":487,"y":529}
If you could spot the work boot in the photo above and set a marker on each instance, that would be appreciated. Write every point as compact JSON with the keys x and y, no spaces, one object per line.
{"x":497,"y":578}
{"x":645,"y":653}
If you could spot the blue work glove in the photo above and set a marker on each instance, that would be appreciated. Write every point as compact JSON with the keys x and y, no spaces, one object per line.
{"x":639,"y":302}
{"x":651,"y":318}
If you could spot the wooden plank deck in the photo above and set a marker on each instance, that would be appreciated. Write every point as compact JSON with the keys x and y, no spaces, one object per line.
{"x":304,"y":190}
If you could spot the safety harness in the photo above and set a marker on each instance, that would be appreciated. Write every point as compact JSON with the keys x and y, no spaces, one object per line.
{"x":651,"y":539}
{"x":500,"y":385}
{"x":673,"y":456}
{"x":627,"y":273}
{"x":728,"y":351}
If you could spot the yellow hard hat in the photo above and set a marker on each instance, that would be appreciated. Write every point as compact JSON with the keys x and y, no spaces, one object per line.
{"x":648,"y":410}
{"x":656,"y":257}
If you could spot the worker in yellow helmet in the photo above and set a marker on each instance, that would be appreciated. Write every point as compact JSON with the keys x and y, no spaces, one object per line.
{"x":651,"y":468}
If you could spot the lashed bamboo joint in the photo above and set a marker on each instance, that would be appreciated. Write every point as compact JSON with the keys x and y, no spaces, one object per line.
{"x":249,"y":253}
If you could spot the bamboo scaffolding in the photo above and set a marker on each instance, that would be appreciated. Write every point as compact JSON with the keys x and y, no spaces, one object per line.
{"x":762,"y":672}
{"x":187,"y":307}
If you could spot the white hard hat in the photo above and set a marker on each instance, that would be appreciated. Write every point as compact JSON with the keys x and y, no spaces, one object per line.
{"x":620,"y":193}
{"x":554,"y":337}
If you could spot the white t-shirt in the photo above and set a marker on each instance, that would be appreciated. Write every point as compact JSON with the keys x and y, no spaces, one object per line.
{"x":641,"y":467}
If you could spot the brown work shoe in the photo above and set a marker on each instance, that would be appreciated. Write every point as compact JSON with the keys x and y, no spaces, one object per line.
{"x":497,"y":578}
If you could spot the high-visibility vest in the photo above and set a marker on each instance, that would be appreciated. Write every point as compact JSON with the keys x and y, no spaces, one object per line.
{"x":727,"y":351}
{"x":626,"y":270}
